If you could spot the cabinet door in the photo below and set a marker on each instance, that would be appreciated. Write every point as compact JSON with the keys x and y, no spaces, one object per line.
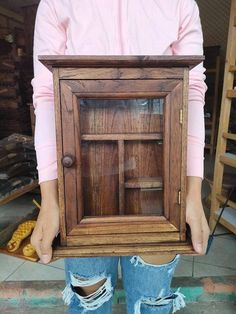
{"x":122,"y":161}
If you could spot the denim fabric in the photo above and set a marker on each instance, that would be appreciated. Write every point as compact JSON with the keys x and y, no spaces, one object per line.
{"x":147,"y":286}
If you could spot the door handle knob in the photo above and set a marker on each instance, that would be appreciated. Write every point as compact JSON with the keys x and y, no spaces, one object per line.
{"x":68,"y":160}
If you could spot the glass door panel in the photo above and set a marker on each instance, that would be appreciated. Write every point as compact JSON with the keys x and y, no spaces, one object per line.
{"x":122,"y":156}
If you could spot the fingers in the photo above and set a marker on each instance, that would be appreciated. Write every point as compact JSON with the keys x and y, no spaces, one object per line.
{"x":42,"y":241}
{"x":205,"y":233}
{"x":36,"y":238}
{"x":197,"y":235}
{"x":46,"y":250}
{"x":46,"y":245}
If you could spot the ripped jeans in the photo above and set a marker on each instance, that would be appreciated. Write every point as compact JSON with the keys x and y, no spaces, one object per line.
{"x":147,"y":286}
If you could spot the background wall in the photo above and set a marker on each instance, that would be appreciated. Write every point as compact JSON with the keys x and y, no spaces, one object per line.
{"x":215,"y":21}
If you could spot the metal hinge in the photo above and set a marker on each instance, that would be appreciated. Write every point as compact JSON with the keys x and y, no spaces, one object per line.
{"x":179,"y":197}
{"x":181,"y":116}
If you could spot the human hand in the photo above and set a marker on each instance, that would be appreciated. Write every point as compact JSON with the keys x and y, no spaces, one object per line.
{"x":47,"y":226}
{"x":196,"y":219}
{"x":46,"y":229}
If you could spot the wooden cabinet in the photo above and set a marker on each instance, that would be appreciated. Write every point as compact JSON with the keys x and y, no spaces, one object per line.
{"x":121,"y":127}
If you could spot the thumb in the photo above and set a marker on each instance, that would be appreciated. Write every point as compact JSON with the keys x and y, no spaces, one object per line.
{"x":46,"y":249}
{"x":196,"y":235}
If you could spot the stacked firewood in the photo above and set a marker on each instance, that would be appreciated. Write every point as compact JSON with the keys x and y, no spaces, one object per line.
{"x":15,"y":92}
{"x":17,"y":163}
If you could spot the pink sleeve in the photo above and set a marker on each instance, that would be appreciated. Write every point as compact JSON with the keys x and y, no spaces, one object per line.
{"x":190,"y":42}
{"x":49,"y":39}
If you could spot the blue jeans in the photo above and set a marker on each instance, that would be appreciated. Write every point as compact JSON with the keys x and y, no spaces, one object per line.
{"x":147,"y":286}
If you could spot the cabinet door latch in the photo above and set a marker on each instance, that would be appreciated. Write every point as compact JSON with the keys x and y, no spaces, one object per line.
{"x":179,"y":197}
{"x":181,"y":116}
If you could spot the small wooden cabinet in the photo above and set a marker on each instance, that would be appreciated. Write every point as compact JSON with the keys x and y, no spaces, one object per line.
{"x":121,"y":129}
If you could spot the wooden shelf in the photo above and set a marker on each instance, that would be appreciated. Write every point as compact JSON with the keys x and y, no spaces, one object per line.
{"x":19,"y":192}
{"x":232,"y":68}
{"x":208,"y":123}
{"x":144,"y":183}
{"x":212,"y":70}
{"x":222,"y":199}
{"x":231,"y":93}
{"x":228,"y":159}
{"x":229,"y":136}
{"x":122,"y":137}
{"x":228,"y":219}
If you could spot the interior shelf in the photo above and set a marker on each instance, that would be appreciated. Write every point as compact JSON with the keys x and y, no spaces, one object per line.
{"x":145,"y":183}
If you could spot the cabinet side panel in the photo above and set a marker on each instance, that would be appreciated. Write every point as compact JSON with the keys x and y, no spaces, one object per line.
{"x":58,"y":124}
{"x":184,"y":155}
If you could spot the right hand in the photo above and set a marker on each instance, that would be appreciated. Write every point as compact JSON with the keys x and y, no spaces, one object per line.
{"x":46,"y":229}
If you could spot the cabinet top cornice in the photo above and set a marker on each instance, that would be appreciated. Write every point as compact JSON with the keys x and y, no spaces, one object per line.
{"x":72,"y":61}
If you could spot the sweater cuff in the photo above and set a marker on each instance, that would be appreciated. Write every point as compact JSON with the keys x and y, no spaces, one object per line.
{"x":46,"y":171}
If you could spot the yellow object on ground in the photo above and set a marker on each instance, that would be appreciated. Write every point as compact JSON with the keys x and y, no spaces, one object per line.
{"x":22,"y":232}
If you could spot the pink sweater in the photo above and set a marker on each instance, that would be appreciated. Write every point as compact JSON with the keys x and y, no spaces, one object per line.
{"x":115,"y":27}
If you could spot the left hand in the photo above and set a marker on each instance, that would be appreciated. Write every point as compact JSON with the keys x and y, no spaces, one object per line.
{"x":196,"y":219}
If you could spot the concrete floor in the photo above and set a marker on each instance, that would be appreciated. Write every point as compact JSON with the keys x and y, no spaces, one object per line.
{"x":194,"y":308}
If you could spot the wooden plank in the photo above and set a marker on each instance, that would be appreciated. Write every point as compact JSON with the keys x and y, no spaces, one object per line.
{"x":13,"y":15}
{"x":122,"y":137}
{"x":209,"y":71}
{"x":177,"y":154}
{"x":128,"y":219}
{"x":19,"y":192}
{"x":226,"y":224}
{"x":222,"y":199}
{"x":184,"y":145}
{"x":108,"y":250}
{"x":121,"y":86}
{"x":59,"y":144}
{"x":126,"y":238}
{"x":79,"y":194}
{"x":229,"y":136}
{"x":9,"y":92}
{"x":231,"y":93}
{"x":232,"y":68}
{"x":120,"y":95}
{"x":121,"y":73}
{"x":144,"y":183}
{"x":166,"y":154}
{"x":68,"y":146}
{"x":120,"y":61}
{"x":121,"y":152}
{"x":122,"y":228}
{"x":227,"y":160}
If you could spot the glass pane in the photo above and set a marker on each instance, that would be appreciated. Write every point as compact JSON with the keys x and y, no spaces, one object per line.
{"x":122,"y":156}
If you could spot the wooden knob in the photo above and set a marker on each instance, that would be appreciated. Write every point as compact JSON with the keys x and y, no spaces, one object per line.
{"x":68,"y":161}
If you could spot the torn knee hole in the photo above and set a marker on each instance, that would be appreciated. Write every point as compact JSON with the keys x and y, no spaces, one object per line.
{"x":175,"y":299}
{"x":91,"y":292}
{"x":89,"y":289}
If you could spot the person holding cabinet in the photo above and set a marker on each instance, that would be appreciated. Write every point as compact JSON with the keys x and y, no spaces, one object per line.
{"x":117,"y":27}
